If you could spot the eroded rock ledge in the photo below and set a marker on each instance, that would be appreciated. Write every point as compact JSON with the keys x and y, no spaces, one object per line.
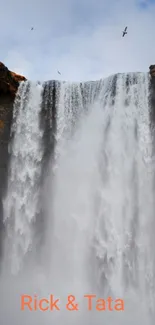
{"x":9,"y":81}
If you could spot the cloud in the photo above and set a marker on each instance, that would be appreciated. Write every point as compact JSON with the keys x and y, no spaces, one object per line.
{"x":82,"y":39}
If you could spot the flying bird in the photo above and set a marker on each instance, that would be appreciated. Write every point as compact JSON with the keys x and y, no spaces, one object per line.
{"x":59,"y":72}
{"x":124,"y":32}
{"x":32,"y":28}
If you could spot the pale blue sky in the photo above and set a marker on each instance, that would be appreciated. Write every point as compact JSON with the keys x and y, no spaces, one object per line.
{"x":82,"y":39}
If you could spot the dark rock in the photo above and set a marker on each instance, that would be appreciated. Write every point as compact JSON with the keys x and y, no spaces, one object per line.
{"x":9,"y":83}
{"x":152,"y":70}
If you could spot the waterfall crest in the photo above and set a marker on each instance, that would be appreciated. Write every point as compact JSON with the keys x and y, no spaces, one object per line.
{"x":94,"y":197}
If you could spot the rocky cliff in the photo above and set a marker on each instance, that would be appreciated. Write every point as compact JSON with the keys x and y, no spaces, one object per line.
{"x":9,"y":82}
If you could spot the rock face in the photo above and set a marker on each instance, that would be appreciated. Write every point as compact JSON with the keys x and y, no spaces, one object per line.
{"x":9,"y":82}
{"x":152,"y":70}
{"x":152,"y":94}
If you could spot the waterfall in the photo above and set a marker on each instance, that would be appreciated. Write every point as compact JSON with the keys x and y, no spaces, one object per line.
{"x":21,"y":203}
{"x":95,"y":200}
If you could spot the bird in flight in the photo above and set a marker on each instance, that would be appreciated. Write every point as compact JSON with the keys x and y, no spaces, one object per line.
{"x":32,"y":28}
{"x":59,"y":72}
{"x":124,"y":32}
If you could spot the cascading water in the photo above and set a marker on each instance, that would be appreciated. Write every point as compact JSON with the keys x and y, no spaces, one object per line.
{"x":21,"y":203}
{"x":99,"y":219}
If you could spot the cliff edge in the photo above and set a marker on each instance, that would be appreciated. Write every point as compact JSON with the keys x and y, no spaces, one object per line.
{"x":9,"y":81}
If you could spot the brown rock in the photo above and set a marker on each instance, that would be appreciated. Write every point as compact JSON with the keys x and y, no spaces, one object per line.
{"x":9,"y":81}
{"x":1,"y":125}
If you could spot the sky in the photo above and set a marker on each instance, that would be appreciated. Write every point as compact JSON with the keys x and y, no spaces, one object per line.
{"x":80,"y":38}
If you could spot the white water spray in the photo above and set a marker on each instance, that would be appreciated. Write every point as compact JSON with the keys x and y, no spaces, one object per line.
{"x":100,"y":222}
{"x":21,"y":202}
